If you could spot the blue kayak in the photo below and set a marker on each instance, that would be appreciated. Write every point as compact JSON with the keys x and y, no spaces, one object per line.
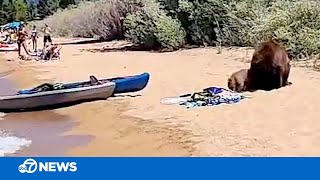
{"x":130,"y":83}
{"x":124,"y":84}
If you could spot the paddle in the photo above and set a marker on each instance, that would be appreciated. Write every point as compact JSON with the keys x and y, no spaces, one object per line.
{"x":176,"y":100}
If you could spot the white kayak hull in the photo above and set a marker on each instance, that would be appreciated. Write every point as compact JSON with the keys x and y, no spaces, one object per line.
{"x":56,"y":97}
{"x":8,"y":49}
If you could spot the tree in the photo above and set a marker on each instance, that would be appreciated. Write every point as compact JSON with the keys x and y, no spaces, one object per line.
{"x":65,"y":3}
{"x":20,"y":10}
{"x":32,"y":9}
{"x":47,"y":7}
{"x":6,"y":11}
{"x":32,"y":12}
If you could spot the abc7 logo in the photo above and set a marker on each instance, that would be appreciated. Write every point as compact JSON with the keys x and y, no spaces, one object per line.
{"x":28,"y":166}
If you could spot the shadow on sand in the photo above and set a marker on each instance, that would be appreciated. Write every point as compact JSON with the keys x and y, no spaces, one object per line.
{"x":120,"y":49}
{"x":132,"y":47}
{"x":90,"y":41}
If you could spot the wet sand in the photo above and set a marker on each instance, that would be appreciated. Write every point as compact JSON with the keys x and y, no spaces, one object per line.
{"x":282,"y":122}
{"x":43,"y":128}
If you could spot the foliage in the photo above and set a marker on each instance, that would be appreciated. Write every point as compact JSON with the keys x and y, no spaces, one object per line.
{"x":47,"y":7}
{"x":247,"y":22}
{"x":20,"y":9}
{"x":173,"y":23}
{"x":65,"y":3}
{"x":25,"y":10}
{"x":102,"y":19}
{"x":294,"y":23}
{"x":152,"y":28}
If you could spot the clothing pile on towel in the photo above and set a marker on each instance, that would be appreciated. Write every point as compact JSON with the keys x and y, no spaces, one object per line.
{"x":213,"y":96}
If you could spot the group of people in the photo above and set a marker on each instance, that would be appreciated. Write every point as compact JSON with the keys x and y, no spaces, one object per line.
{"x":20,"y":36}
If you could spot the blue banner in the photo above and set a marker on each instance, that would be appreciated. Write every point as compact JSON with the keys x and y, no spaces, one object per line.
{"x":160,"y":168}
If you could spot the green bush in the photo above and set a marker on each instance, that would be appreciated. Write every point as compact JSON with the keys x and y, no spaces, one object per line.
{"x":243,"y":18}
{"x":103,"y":18}
{"x":200,"y":19}
{"x":172,"y":23}
{"x":152,"y":28}
{"x":294,"y":23}
{"x":248,"y":22}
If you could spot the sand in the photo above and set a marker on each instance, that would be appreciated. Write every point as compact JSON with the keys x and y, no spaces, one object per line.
{"x":283,"y":122}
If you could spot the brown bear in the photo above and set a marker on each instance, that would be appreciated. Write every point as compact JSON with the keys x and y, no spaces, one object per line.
{"x":269,"y":68}
{"x":238,"y":81}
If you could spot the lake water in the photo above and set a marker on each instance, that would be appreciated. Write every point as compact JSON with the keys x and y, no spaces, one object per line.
{"x":35,"y":133}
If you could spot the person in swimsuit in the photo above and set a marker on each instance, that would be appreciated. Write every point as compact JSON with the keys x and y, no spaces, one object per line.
{"x":21,"y":41}
{"x":47,"y":35}
{"x":34,"y":37}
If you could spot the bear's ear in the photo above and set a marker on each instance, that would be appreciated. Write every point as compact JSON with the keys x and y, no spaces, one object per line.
{"x":290,"y":53}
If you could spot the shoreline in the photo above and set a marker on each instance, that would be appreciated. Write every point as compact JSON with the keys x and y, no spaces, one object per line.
{"x":36,"y":129}
{"x":123,"y":136}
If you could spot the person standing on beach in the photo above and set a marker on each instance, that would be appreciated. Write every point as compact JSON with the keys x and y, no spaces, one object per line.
{"x":34,"y":37}
{"x":21,"y":41}
{"x":47,"y":35}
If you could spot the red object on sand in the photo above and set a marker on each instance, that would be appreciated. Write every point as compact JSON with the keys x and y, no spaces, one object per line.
{"x":8,"y":47}
{"x":3,"y":45}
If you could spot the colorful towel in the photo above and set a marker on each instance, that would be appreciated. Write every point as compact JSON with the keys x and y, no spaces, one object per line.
{"x":213,"y":96}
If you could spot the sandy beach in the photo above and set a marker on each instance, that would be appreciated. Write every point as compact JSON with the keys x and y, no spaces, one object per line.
{"x":283,"y":122}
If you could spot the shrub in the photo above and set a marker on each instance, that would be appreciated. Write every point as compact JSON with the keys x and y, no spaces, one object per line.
{"x":172,"y":23}
{"x":248,"y":22}
{"x":152,"y":28}
{"x":243,"y":18}
{"x":201,"y":19}
{"x":294,"y":23}
{"x":101,"y":18}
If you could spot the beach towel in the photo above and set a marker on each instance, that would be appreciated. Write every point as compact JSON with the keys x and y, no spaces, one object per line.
{"x":211,"y":96}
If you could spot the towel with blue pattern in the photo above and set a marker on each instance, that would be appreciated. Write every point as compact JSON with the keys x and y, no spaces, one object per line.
{"x":213,"y":96}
